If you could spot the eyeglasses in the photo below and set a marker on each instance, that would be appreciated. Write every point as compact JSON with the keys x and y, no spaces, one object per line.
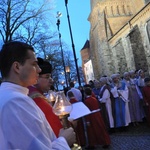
{"x":45,"y":77}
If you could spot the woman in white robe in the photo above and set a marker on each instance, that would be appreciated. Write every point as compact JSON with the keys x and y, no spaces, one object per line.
{"x":105,"y":98}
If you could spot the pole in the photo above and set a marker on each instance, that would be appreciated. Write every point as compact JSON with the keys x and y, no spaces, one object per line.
{"x":73,"y":47}
{"x":58,"y":23}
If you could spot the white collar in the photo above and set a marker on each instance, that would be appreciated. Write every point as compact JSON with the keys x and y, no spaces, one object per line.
{"x":16,"y":87}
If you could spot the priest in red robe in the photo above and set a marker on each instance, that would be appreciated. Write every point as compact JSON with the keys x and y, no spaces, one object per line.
{"x":96,"y":129}
{"x":79,"y":128}
{"x":36,"y":92}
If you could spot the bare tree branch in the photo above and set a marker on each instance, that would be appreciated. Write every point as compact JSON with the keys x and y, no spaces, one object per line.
{"x":17,"y":14}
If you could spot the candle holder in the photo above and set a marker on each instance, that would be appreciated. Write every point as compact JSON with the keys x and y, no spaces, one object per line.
{"x":51,"y":96}
{"x":65,"y":122}
{"x":62,"y":108}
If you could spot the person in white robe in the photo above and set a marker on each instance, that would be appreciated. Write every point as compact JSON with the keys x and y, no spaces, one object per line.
{"x":135,"y":98}
{"x":23,"y":125}
{"x":77,"y":93}
{"x":105,"y":98}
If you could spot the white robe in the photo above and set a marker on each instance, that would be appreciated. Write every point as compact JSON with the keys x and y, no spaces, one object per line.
{"x":106,"y":99}
{"x":124,"y":95}
{"x":77,"y":94}
{"x":23,"y":125}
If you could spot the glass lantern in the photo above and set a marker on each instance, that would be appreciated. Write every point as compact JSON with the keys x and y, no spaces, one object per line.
{"x":62,"y":108}
{"x":51,"y":96}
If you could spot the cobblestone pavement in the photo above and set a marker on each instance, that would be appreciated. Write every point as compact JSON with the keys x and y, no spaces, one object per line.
{"x":134,"y":138}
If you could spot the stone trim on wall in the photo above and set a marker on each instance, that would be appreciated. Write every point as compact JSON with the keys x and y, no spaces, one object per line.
{"x":139,"y":18}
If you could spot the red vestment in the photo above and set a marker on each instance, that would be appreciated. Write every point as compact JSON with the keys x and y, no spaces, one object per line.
{"x":96,"y":130}
{"x":80,"y":128}
{"x":146,"y":97}
{"x":41,"y":101}
{"x":73,"y":100}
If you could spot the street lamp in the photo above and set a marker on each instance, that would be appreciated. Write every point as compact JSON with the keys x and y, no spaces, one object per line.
{"x":58,"y":23}
{"x":73,"y":47}
{"x":67,"y":69}
{"x":68,"y":72}
{"x":62,"y":83}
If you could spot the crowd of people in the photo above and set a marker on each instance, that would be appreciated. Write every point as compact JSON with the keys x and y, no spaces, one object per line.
{"x":28,"y":123}
{"x":93,"y":124}
{"x":123,"y":101}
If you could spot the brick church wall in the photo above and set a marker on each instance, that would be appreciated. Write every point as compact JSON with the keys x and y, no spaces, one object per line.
{"x":119,"y":57}
{"x":129,"y":46}
{"x":138,"y":49}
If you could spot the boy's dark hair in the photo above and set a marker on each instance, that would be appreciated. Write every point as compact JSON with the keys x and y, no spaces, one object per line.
{"x":11,"y":52}
{"x":70,"y":94}
{"x":71,"y":84}
{"x":87,"y":85}
{"x":147,"y":79}
{"x":88,"y":91}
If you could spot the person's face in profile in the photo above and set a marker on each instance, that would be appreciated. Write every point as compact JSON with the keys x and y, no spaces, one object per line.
{"x":29,"y":71}
{"x":44,"y":82}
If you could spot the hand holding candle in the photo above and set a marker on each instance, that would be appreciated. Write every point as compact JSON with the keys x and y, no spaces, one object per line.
{"x":62,"y":108}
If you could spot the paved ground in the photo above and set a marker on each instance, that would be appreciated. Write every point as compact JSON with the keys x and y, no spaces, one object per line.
{"x":134,"y":138}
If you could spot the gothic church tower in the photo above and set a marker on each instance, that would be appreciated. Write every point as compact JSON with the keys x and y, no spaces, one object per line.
{"x":107,"y":17}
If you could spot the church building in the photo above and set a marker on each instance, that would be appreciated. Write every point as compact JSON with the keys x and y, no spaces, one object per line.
{"x":119,"y":36}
